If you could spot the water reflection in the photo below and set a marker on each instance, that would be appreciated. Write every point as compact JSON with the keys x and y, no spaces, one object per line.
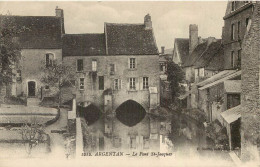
{"x":110,"y":134}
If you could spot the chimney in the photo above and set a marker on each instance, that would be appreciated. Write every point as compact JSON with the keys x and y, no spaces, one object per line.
{"x":162,"y":48}
{"x":147,"y":22}
{"x":210,"y":40}
{"x":193,"y":37}
{"x":59,"y":13}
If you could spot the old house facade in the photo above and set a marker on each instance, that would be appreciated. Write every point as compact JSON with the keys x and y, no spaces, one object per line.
{"x":236,"y":20}
{"x":116,"y":66}
{"x":40,"y":43}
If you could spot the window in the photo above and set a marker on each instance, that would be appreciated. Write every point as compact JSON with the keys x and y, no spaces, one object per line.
{"x":47,"y":87}
{"x":94,"y":65}
{"x":81,"y":84}
{"x":80,"y":65}
{"x":101,"y":82}
{"x":238,"y":29}
{"x":162,"y":67}
{"x":112,"y":69}
{"x":233,"y":6}
{"x":117,"y":84}
{"x":132,"y":84}
{"x":232,"y":59}
{"x":49,"y":59}
{"x":132,"y":63}
{"x":145,"y":83}
{"x":232,"y":31}
{"x":247,"y":21}
{"x":19,"y":75}
{"x":239,"y":58}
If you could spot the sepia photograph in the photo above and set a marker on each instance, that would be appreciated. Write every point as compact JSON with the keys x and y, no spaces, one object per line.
{"x":130,"y":83}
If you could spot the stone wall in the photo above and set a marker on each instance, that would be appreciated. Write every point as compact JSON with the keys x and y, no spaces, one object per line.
{"x":234,"y":45}
{"x":250,"y":88}
{"x":33,"y":60}
{"x":147,"y":66}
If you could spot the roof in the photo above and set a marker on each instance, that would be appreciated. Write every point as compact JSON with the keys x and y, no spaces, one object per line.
{"x":83,"y":44}
{"x":38,"y":32}
{"x":218,"y":76}
{"x":231,"y":114}
{"x":232,"y":86}
{"x":212,"y":58}
{"x":182,"y":45}
{"x":129,"y":39}
{"x":231,"y":76}
{"x":196,"y":54}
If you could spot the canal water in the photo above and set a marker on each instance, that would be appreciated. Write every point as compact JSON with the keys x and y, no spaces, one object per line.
{"x":176,"y":134}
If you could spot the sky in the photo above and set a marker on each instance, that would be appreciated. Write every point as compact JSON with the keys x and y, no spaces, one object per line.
{"x":170,"y":19}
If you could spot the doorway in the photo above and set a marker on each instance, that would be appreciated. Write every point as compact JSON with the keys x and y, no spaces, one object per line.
{"x":31,"y":88}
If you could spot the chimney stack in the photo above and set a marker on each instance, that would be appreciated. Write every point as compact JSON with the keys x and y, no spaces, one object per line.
{"x":193,"y":37}
{"x":59,"y":13}
{"x":162,"y":48}
{"x":147,"y":22}
{"x":210,"y":40}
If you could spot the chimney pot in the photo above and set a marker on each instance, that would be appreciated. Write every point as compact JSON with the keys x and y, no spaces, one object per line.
{"x":147,"y":22}
{"x":162,"y":48}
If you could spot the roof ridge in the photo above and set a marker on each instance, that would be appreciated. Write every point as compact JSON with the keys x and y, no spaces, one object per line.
{"x":85,"y":34}
{"x":2,"y":15}
{"x":126,"y":24}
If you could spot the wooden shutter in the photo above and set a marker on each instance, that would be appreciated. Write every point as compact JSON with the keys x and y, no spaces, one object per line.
{"x":128,"y":83}
{"x":128,"y":62}
{"x":119,"y":84}
{"x":141,"y":83}
{"x":128,"y":142}
{"x":137,"y":84}
{"x":137,"y":146}
{"x":141,"y":141}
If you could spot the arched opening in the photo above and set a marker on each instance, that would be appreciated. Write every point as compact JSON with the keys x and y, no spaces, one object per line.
{"x":90,"y":113}
{"x":130,"y":113}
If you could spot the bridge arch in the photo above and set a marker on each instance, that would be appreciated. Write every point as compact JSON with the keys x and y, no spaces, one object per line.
{"x":130,"y":113}
{"x":90,"y":113}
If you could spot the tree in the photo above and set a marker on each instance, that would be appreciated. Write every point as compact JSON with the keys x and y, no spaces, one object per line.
{"x":58,"y":75}
{"x":175,"y":76}
{"x":32,"y":135}
{"x":10,"y":52}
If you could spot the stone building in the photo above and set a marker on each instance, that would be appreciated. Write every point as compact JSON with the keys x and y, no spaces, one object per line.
{"x":250,"y":135}
{"x":237,"y":18}
{"x":40,"y":43}
{"x":119,"y":65}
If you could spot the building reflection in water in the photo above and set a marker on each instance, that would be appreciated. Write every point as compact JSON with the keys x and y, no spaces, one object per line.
{"x":109,"y":134}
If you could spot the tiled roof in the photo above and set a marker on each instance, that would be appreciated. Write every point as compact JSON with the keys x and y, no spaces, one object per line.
{"x":182,"y":45}
{"x":129,"y":39}
{"x":196,"y":54}
{"x":212,"y":58}
{"x":83,"y":44}
{"x":40,"y":32}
